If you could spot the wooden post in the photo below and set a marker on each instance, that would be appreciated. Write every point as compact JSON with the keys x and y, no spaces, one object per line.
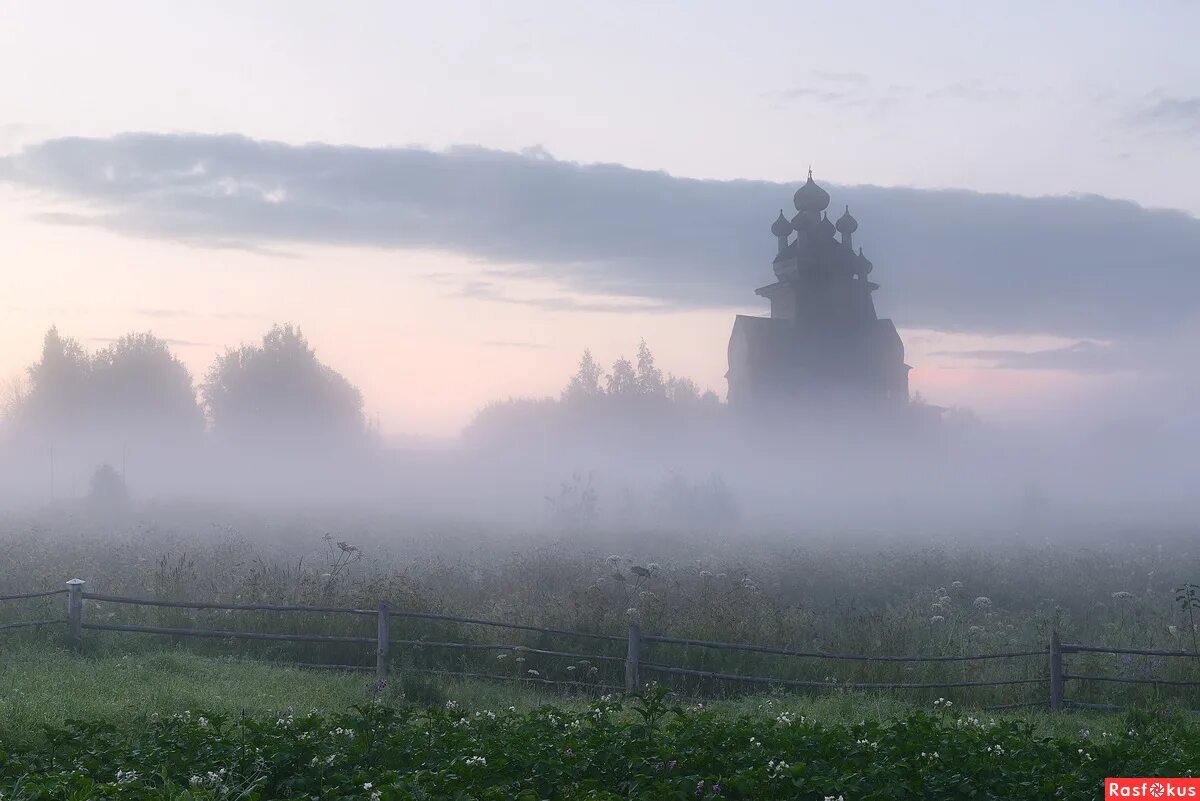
{"x":75,"y":613}
{"x":1056,"y":672}
{"x":631,"y":658}
{"x":382,"y":629}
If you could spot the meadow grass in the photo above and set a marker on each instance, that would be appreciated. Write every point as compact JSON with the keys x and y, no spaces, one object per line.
{"x":915,"y":595}
{"x":44,"y":687}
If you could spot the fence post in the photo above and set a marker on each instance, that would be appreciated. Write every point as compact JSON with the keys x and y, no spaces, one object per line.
{"x":1056,"y":672}
{"x":631,"y":658}
{"x":382,"y":630}
{"x":75,"y":613}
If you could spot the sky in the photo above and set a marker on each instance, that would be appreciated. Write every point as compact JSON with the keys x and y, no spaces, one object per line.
{"x":453,"y":200}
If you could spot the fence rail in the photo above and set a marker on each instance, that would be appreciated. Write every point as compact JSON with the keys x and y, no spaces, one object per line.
{"x":1056,"y":677}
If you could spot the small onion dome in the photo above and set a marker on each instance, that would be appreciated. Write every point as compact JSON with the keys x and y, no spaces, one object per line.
{"x":865,"y":263}
{"x":847,"y":224}
{"x":827,"y":225}
{"x":810,"y":197}
{"x":782,"y":226}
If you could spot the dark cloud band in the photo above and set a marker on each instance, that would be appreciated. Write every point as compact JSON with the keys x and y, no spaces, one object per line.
{"x":954,"y":260}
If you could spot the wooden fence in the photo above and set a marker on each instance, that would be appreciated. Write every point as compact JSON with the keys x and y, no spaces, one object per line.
{"x":635,"y":665}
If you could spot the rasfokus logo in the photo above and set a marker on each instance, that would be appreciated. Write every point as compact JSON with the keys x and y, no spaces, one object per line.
{"x":1152,"y":788}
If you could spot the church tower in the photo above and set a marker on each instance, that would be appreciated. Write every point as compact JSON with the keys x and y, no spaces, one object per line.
{"x":823,"y":345}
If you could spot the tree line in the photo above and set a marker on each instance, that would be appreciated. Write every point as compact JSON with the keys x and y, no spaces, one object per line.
{"x":137,"y":387}
{"x":633,"y":398}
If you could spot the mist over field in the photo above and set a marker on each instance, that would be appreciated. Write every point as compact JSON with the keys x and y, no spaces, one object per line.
{"x":631,"y":448}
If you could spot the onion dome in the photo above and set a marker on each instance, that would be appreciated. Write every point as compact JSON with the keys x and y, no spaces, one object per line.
{"x":827,"y":225}
{"x":847,"y":224}
{"x":782,"y":226}
{"x":865,"y":265}
{"x":810,"y":197}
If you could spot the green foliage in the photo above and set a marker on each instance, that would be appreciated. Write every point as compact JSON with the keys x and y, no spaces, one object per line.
{"x":639,"y":748}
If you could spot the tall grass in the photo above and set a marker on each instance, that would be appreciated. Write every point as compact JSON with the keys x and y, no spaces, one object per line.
{"x":918,"y":595}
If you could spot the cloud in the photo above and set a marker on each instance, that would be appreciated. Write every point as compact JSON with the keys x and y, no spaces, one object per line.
{"x":1081,"y":267}
{"x":488,"y":290}
{"x":1178,"y":113}
{"x":1081,"y":356}
{"x":972,"y":91}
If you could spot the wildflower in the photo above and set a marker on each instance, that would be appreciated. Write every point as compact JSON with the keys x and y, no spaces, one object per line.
{"x":956,"y":585}
{"x":533,"y":673}
{"x":476,"y":760}
{"x":501,"y":657}
{"x":127,"y":776}
{"x":633,"y":614}
{"x":937,"y":619}
{"x":976,"y":630}
{"x":1173,"y":630}
{"x":653,"y":567}
{"x":1122,"y":595}
{"x":570,"y":668}
{"x":613,"y":561}
{"x":451,"y":706}
{"x":982,"y":602}
{"x":705,"y":574}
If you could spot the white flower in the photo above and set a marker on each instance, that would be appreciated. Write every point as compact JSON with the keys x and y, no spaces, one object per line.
{"x":476,"y":760}
{"x":982,"y":602}
{"x":956,"y":585}
{"x":937,"y":619}
{"x":1122,"y":596}
{"x":533,"y":673}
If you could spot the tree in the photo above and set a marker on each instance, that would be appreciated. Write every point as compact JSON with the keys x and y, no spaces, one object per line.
{"x":585,"y":383}
{"x":649,"y":377}
{"x":681,"y":389}
{"x":106,"y":489}
{"x":55,"y":399}
{"x":281,"y":389}
{"x":622,"y":381}
{"x":137,"y":386}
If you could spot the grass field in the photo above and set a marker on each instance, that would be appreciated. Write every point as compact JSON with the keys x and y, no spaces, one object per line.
{"x":173,"y":725}
{"x":150,"y":717}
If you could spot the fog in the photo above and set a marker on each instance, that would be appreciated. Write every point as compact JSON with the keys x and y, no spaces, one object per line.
{"x":608,"y":460}
{"x":636,"y":449}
